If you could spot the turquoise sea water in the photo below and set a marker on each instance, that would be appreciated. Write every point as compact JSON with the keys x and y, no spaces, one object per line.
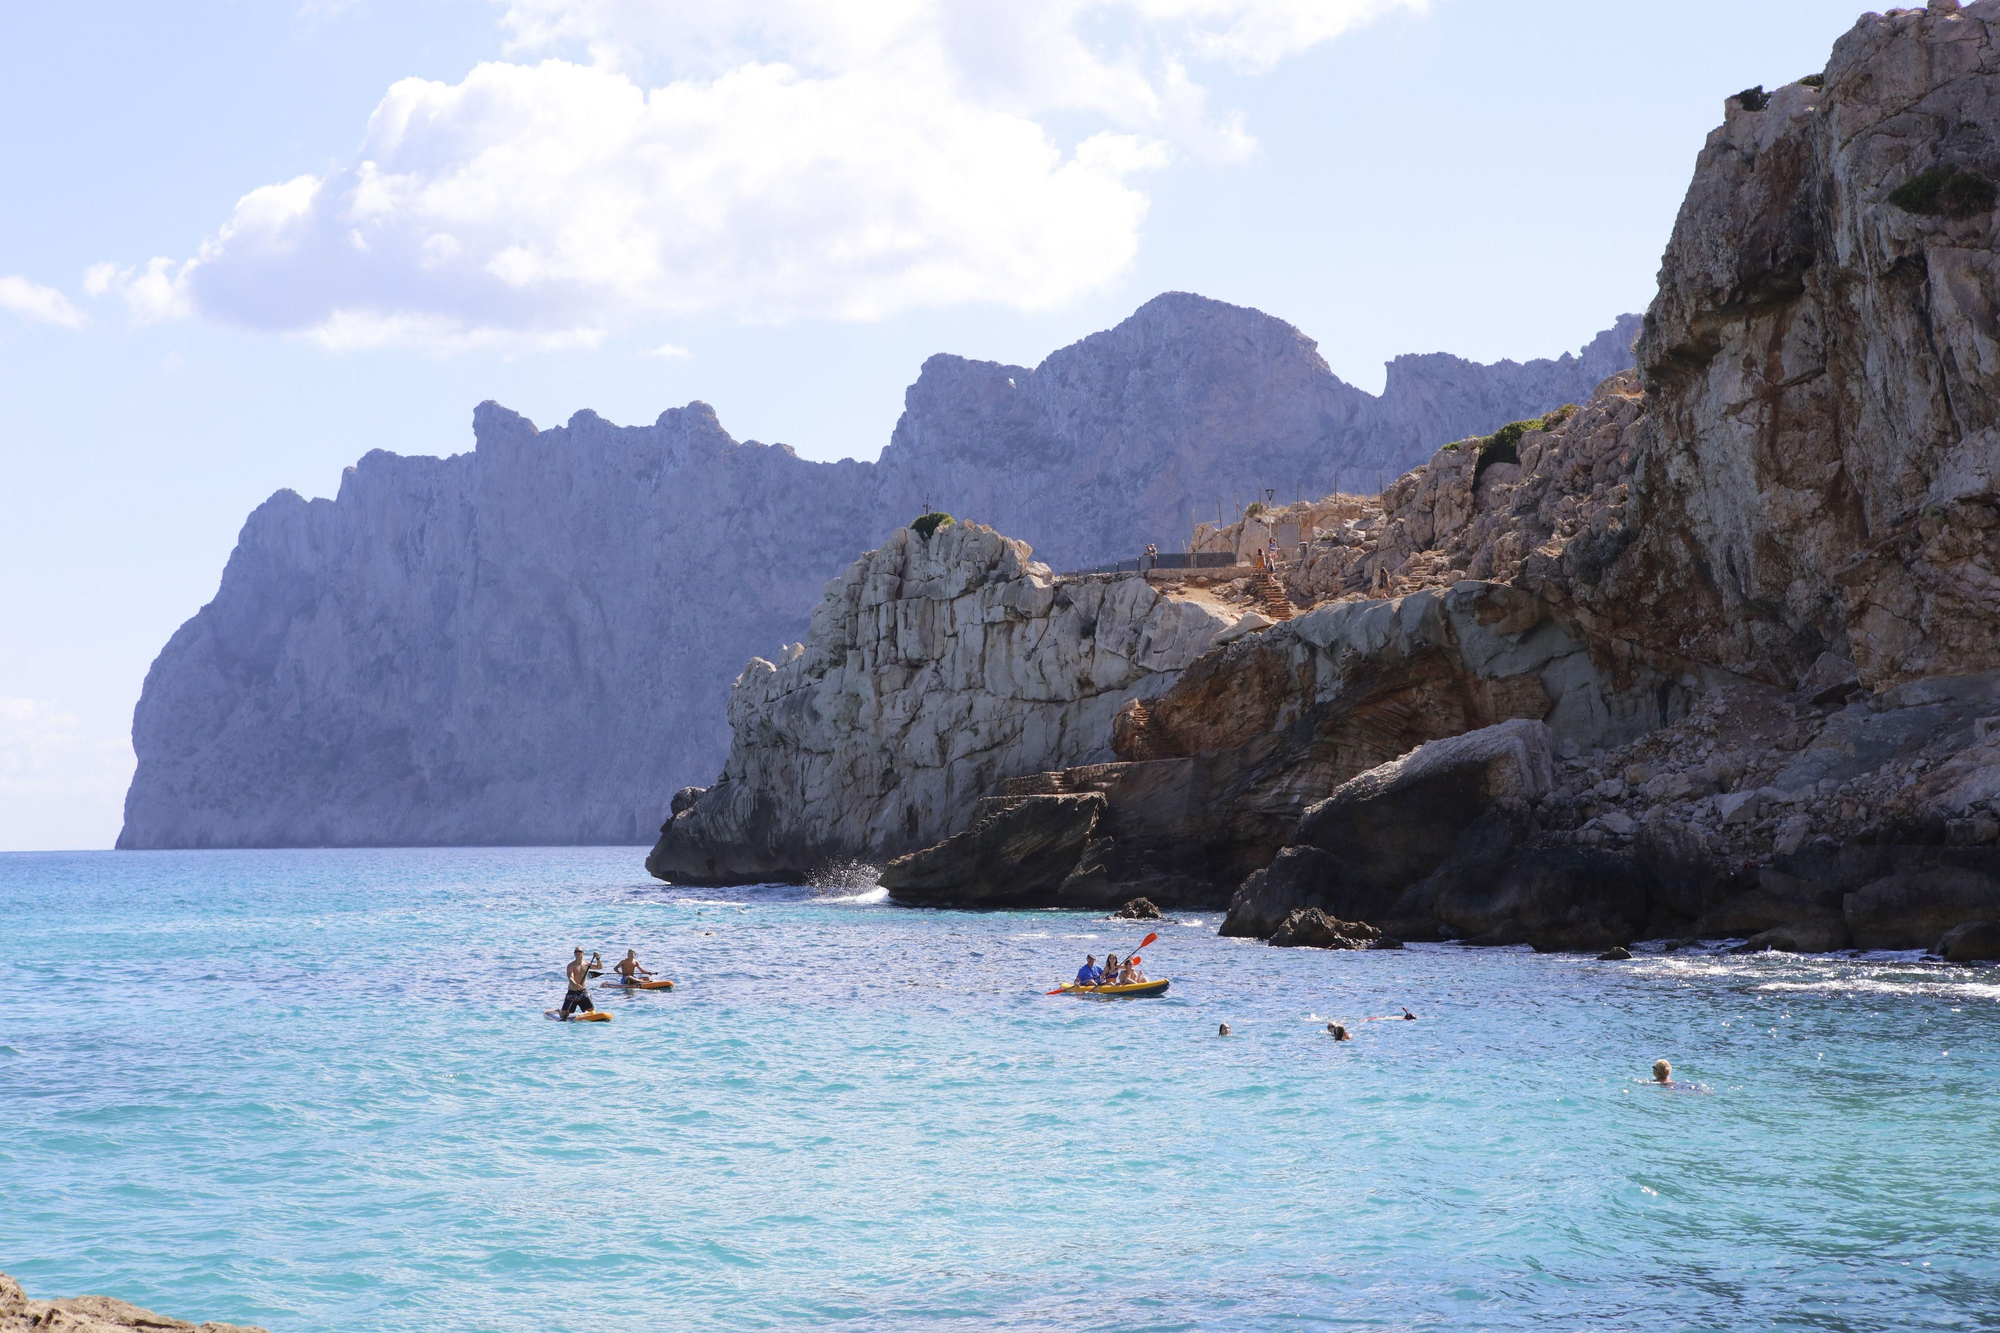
{"x":315,"y":1090}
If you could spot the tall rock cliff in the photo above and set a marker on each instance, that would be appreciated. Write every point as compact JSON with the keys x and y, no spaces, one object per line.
{"x":534,"y":642}
{"x":936,"y":668}
{"x":1136,"y":434}
{"x":1712,"y":653}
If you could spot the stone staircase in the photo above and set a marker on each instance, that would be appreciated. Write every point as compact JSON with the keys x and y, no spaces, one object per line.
{"x":1269,"y":596}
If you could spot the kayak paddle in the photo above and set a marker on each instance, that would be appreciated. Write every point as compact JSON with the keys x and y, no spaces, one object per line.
{"x":1142,"y":944}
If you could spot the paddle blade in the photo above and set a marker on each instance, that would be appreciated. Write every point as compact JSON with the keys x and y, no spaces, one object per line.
{"x":1148,"y":940}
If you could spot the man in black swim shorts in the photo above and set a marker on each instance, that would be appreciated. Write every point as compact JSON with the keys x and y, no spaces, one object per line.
{"x":574,"y":999}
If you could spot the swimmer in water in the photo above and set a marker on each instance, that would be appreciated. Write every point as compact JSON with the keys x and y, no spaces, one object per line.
{"x":1407,"y":1014}
{"x":1222,"y":1031}
{"x":1339,"y":1033}
{"x":1663,"y":1077}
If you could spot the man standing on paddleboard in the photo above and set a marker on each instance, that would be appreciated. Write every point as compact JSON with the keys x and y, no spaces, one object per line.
{"x":574,"y":999}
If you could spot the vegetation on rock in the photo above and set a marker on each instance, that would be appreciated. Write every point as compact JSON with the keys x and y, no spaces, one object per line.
{"x":1948,"y":190}
{"x":928,"y":524}
{"x":1503,"y":445}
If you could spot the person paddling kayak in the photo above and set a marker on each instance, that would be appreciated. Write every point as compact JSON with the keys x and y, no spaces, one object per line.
{"x":1089,"y":974}
{"x":574,"y":999}
{"x":628,"y":969}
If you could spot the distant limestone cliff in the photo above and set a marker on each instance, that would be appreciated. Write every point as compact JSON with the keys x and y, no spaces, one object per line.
{"x":534,"y":642}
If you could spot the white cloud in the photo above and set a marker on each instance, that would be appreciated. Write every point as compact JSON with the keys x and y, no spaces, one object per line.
{"x":668,"y":352}
{"x":771,"y":159}
{"x":153,"y":292}
{"x":59,"y":788}
{"x":44,"y":305}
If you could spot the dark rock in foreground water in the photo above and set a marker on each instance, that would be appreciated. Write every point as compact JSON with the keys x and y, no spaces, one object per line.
{"x":1310,"y":928}
{"x":1019,"y":852}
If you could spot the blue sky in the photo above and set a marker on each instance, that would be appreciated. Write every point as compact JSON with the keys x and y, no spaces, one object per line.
{"x":248,"y":242}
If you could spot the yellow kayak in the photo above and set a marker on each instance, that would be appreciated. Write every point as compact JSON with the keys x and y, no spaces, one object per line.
{"x":1130,"y":988}
{"x":592,"y":1016}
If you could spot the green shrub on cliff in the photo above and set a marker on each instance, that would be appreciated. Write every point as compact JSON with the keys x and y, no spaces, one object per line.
{"x":1256,"y":508}
{"x":1814,"y":80}
{"x":1753,"y":99}
{"x":930,"y":523}
{"x":1503,"y":445}
{"x":1952,"y":191}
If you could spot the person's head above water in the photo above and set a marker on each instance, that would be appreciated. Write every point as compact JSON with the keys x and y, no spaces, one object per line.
{"x":1222,"y":1030}
{"x":1407,"y":1013}
{"x":1662,"y":1072}
{"x":1339,"y":1032}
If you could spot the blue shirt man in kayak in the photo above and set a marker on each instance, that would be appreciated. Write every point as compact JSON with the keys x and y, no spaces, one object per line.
{"x":1088,"y":975}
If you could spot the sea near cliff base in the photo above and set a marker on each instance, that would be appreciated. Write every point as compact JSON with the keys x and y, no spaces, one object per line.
{"x":314,"y":1090}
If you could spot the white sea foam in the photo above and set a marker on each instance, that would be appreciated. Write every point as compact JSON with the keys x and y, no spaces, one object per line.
{"x":877,"y":894}
{"x":1942,"y":985}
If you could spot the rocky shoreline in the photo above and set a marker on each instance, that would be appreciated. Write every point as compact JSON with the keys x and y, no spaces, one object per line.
{"x":1714,"y":654}
{"x":90,"y":1314}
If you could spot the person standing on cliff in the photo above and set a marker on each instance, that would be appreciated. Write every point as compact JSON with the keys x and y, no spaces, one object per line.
{"x":574,"y":999}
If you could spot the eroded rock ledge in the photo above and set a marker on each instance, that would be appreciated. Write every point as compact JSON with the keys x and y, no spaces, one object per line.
{"x":90,"y":1314}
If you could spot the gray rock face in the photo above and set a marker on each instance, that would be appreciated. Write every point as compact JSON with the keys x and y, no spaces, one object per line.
{"x":533,"y":642}
{"x":529,"y":643}
{"x":1379,"y":833}
{"x":935,"y":669}
{"x":1133,"y":435}
{"x":1019,"y":852}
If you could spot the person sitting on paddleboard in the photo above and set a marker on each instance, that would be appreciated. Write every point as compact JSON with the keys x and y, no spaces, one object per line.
{"x":628,"y":969}
{"x":1089,"y":974}
{"x":574,"y":999}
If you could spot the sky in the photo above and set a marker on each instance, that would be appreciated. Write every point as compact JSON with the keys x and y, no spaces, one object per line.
{"x":245,"y":243}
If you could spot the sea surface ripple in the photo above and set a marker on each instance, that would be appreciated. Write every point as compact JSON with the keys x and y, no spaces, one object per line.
{"x":314,"y":1090}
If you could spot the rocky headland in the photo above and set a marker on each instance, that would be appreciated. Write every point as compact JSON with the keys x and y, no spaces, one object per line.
{"x":1712,"y":651}
{"x":533,"y":642}
{"x":90,"y":1314}
{"x":935,"y":668}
